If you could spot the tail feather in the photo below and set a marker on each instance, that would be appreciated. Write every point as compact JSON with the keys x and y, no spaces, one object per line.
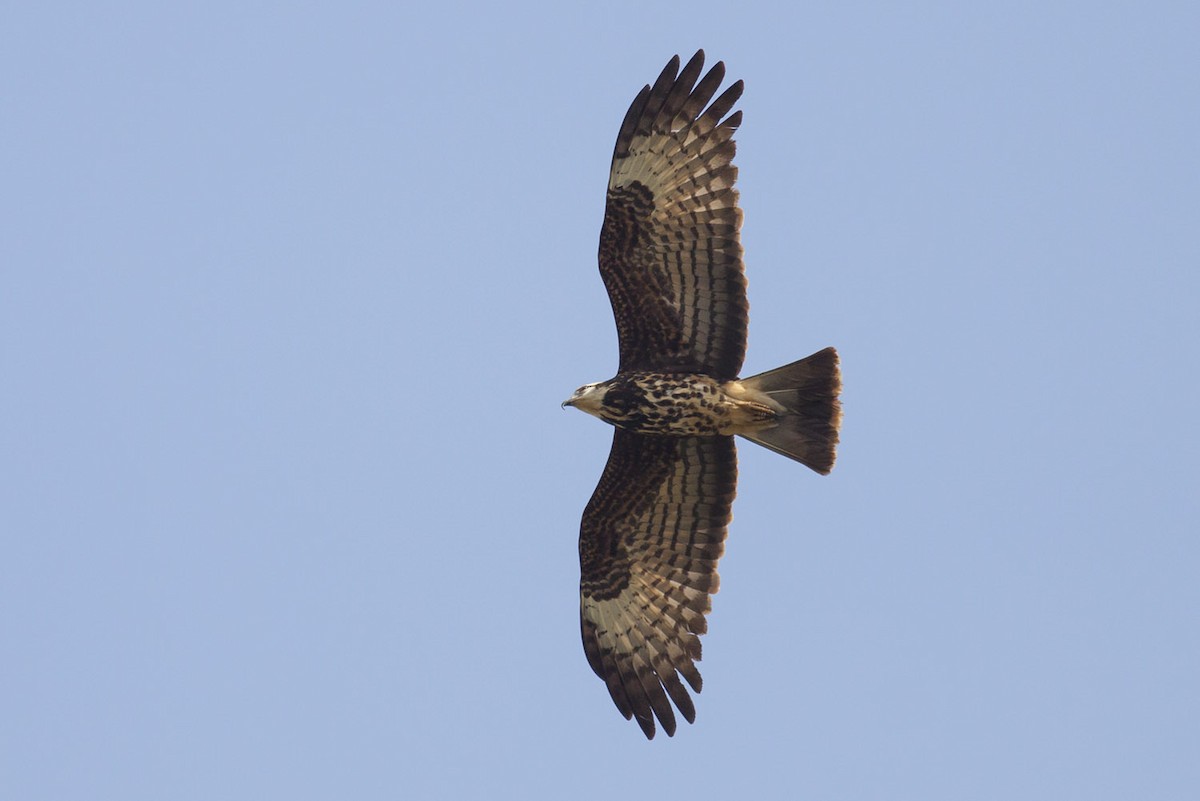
{"x":807,"y":429}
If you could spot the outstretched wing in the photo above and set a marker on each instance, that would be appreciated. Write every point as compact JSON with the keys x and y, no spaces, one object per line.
{"x":670,"y":253}
{"x":648,"y":549}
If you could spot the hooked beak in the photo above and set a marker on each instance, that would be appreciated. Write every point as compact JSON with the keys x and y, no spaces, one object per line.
{"x":568,"y":402}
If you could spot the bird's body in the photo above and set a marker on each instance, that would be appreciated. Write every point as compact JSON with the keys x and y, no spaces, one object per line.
{"x":677,"y":404}
{"x":671,"y":259}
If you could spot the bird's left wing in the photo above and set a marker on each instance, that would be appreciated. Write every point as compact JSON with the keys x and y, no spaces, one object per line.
{"x":670,"y":253}
{"x":648,"y":549}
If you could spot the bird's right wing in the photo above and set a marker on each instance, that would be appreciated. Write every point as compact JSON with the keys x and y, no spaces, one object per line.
{"x":648,"y":549}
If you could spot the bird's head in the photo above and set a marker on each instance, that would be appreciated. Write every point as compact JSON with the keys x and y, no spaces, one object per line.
{"x":588,"y":398}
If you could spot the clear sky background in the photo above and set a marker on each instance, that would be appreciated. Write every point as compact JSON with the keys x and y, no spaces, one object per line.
{"x":290,"y":295}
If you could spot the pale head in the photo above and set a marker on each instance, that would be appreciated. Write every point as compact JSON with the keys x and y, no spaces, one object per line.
{"x":588,"y":398}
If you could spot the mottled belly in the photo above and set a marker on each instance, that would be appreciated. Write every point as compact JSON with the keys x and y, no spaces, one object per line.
{"x":687,"y":405}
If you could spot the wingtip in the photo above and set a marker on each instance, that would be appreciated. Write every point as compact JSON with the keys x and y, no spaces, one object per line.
{"x":647,"y":725}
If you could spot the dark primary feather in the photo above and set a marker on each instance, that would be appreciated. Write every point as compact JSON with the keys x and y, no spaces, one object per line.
{"x":648,"y":549}
{"x":670,"y":253}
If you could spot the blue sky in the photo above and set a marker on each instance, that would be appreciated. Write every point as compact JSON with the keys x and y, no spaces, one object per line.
{"x":290,"y":295}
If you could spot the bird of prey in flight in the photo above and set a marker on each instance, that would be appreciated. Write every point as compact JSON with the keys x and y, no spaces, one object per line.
{"x":671,"y":259}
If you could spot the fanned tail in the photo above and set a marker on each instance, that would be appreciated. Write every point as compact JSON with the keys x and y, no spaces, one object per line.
{"x":808,"y":426}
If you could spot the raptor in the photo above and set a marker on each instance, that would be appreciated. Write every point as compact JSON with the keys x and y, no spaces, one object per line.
{"x":671,"y":260}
